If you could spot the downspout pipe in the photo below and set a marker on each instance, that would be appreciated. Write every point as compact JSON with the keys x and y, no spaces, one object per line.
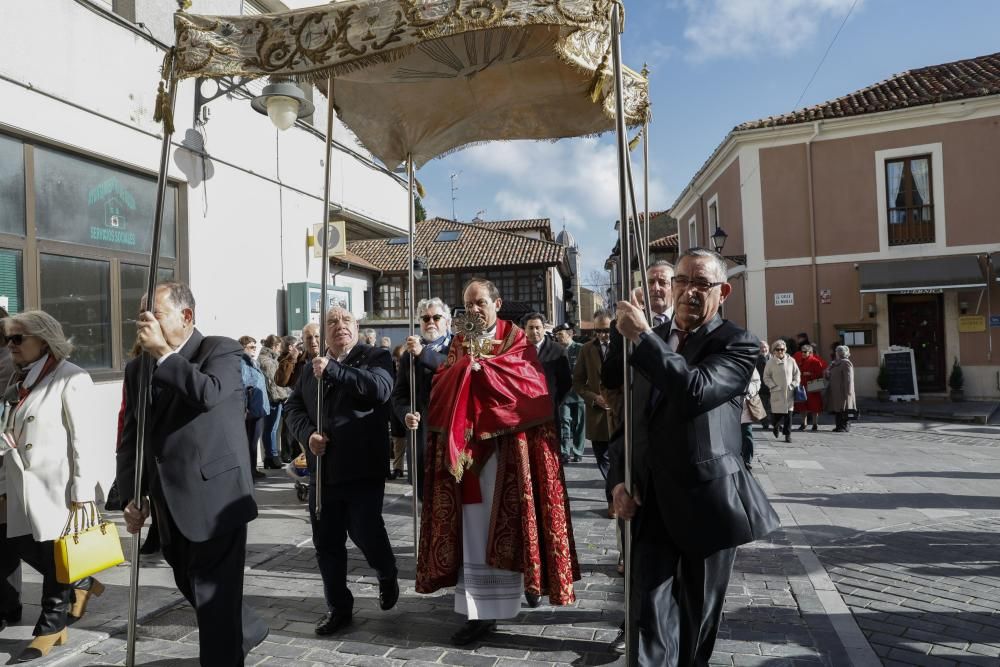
{"x":812,"y":234}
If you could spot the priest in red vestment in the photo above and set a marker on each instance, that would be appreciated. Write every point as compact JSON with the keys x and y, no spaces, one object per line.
{"x":496,"y":520}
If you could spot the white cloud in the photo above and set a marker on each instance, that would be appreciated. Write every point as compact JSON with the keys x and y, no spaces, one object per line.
{"x":725,"y":28}
{"x":573,"y":182}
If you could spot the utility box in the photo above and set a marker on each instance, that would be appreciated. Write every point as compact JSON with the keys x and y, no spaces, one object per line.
{"x":303,"y":304}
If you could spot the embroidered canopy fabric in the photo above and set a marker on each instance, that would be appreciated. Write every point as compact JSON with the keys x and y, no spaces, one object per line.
{"x":427,"y":77}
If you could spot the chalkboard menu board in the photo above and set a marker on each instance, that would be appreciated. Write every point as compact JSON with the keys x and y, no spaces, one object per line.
{"x":902,"y":374}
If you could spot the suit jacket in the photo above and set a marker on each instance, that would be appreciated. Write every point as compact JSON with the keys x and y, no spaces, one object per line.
{"x":555,"y":363}
{"x":587,"y":383}
{"x":60,"y":457}
{"x":356,"y":395}
{"x":196,"y":459}
{"x":687,"y":441}
{"x":427,"y":365}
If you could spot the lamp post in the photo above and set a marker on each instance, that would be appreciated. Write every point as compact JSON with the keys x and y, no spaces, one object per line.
{"x":283,"y":103}
{"x":421,"y":266}
{"x":719,"y":238}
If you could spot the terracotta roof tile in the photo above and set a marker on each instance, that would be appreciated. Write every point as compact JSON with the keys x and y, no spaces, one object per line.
{"x":664,"y":243}
{"x":479,"y":246}
{"x":962,"y":79}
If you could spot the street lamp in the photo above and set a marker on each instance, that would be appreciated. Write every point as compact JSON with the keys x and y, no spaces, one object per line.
{"x":283,"y":103}
{"x":420,"y":266}
{"x":719,"y":238}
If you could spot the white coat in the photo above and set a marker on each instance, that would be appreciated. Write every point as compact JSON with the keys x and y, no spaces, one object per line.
{"x":781,"y":377}
{"x":59,"y":458}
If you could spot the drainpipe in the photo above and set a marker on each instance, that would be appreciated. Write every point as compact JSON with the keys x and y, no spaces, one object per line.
{"x":812,"y":234}
{"x":990,"y":280}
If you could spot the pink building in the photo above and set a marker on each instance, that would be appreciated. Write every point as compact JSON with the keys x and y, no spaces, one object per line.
{"x":873,"y":218}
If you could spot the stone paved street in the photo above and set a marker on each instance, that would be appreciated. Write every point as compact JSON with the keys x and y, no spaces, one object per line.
{"x":903,"y":528}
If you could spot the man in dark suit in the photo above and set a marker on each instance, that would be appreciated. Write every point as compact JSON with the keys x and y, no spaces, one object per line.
{"x":354,"y":442}
{"x":693,"y":501}
{"x":552,"y":355}
{"x":430,"y":349}
{"x":197,"y":469}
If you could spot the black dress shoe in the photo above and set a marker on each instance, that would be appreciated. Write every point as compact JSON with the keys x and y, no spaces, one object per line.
{"x":471,"y":631}
{"x":388,"y":593}
{"x":775,"y":430}
{"x":532,"y":599}
{"x":257,"y":474}
{"x":618,"y":644}
{"x":333,"y":622}
{"x":815,"y":427}
{"x":273,"y":463}
{"x":788,"y":437}
{"x":749,"y":465}
{"x":802,"y":427}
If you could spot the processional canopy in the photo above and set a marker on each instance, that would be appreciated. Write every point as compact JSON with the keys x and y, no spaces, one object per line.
{"x":427,"y":77}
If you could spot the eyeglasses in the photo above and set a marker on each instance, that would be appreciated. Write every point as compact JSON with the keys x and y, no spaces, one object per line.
{"x":17,"y":339}
{"x":699,"y":285}
{"x":427,"y":318}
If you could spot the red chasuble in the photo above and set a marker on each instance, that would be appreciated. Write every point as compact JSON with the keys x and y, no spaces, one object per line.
{"x":496,"y":405}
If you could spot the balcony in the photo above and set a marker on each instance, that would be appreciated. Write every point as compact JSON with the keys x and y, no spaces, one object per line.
{"x":911,"y":225}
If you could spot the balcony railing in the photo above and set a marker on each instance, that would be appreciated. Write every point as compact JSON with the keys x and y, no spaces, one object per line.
{"x":911,"y":225}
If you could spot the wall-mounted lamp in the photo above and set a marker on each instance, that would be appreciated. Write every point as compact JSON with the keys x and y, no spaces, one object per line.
{"x":283,"y":103}
{"x":872,"y":310}
{"x":419,"y":266}
{"x":963,"y":307}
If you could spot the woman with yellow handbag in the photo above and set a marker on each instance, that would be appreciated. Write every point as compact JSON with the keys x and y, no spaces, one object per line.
{"x":54,"y":463}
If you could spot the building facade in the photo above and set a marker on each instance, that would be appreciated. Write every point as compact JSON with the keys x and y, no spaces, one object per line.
{"x":79,"y":152}
{"x":869,"y":219}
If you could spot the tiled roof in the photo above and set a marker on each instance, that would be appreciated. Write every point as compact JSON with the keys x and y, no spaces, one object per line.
{"x":358,"y":262}
{"x":479,"y":246}
{"x":514,"y":225}
{"x":664,"y":243}
{"x":962,"y":79}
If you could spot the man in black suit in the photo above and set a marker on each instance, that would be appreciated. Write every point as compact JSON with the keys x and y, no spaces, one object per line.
{"x":553,"y":357}
{"x":354,"y":442}
{"x":693,"y":501}
{"x":430,"y":349}
{"x":197,"y":469}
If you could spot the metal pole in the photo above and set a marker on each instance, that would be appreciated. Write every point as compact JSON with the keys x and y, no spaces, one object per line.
{"x":645,"y":187}
{"x":146,"y":362}
{"x":413,"y":362}
{"x":626,"y":257}
{"x":331,"y":114}
{"x":640,"y":241}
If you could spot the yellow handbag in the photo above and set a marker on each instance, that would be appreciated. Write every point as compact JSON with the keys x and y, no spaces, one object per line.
{"x":81,"y":553}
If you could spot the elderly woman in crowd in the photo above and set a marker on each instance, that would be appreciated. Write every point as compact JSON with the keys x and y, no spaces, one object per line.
{"x":10,"y":588}
{"x":811,"y":366}
{"x":54,"y":464}
{"x":840,"y":393}
{"x":781,"y":375}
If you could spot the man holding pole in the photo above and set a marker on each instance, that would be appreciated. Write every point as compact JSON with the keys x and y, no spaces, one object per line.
{"x":197,"y":469}
{"x":692,"y":501}
{"x":353,"y":446}
{"x":505,"y":528}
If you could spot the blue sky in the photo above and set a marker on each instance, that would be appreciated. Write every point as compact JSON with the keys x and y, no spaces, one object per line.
{"x":715,"y":64}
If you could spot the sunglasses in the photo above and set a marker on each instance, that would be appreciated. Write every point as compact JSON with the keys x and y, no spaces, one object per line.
{"x":427,"y":318}
{"x":17,"y":339}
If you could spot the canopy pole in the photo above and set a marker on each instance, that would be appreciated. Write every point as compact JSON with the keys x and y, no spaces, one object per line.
{"x":412,"y":434}
{"x":640,"y":240}
{"x":146,"y":362}
{"x":324,"y":304}
{"x":626,"y":284}
{"x":645,"y":189}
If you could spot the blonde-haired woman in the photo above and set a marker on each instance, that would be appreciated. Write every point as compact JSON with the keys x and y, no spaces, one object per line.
{"x":781,"y":375}
{"x":54,"y":462}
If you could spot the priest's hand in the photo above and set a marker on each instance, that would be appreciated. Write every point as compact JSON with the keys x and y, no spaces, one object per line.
{"x":317,"y":443}
{"x":625,"y":505}
{"x":412,"y":420}
{"x":134,"y":518}
{"x":414,"y":346}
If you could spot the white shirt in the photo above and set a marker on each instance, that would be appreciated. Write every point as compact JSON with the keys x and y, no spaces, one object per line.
{"x":175,"y":350}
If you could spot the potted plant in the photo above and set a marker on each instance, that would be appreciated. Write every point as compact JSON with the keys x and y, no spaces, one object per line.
{"x":956,"y":381}
{"x":883,"y":382}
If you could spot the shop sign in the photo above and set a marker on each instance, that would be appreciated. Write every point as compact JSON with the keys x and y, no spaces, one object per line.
{"x":784,"y":298}
{"x":995,"y":321}
{"x":930,"y":290}
{"x":826,"y":296}
{"x":971,"y":323}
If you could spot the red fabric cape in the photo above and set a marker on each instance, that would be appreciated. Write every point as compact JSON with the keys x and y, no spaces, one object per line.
{"x":500,"y":409}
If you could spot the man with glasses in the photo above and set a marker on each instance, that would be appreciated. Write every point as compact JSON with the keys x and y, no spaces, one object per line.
{"x":692,"y":500}
{"x":429,"y":349}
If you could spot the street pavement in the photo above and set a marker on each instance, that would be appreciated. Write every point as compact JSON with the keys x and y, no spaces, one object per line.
{"x":888,"y":553}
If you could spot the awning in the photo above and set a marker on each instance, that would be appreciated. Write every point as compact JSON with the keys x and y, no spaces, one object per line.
{"x":922,"y":275}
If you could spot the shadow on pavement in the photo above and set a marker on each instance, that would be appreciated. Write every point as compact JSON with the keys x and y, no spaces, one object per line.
{"x":870,"y":501}
{"x":949,"y":474}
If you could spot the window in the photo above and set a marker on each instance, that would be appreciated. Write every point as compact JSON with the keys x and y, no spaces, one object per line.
{"x":399,"y":240}
{"x":76,"y":292}
{"x":909,"y":200}
{"x":391,"y":297}
{"x":11,"y":186}
{"x":81,"y":249}
{"x":10,"y":281}
{"x":444,"y":287}
{"x":448,"y":235}
{"x":854,"y":335}
{"x":713,"y":213}
{"x":692,"y":232}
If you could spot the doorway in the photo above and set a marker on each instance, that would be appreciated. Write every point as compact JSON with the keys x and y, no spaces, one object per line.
{"x":917,"y":321}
